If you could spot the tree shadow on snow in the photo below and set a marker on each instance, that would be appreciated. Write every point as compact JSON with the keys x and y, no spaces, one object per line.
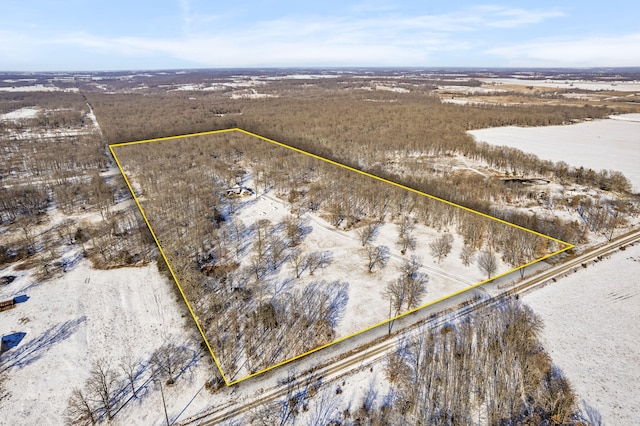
{"x":36,"y":348}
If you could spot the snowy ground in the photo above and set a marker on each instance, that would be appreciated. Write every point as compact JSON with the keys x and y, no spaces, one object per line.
{"x":591,"y":331}
{"x":462,"y":101}
{"x":73,"y":320}
{"x":621,"y":86}
{"x":19,"y":114}
{"x":367,"y":305}
{"x":88,"y":314}
{"x":38,"y":88}
{"x":600,"y":144}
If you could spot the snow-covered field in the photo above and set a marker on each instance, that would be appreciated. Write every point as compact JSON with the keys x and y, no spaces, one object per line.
{"x":73,"y":320}
{"x":253,"y":94}
{"x":88,"y":314}
{"x":600,"y":144}
{"x":462,"y":101}
{"x":38,"y":88}
{"x":20,"y":114}
{"x":591,"y":331}
{"x":620,"y":86}
{"x":392,"y":89}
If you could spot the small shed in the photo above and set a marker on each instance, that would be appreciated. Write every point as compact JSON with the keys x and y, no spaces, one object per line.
{"x":7,"y":304}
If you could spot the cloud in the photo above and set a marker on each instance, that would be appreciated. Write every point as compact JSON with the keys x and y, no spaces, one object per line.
{"x":387,"y":38}
{"x":374,"y":6}
{"x":593,"y":51}
{"x":185,"y":10}
{"x":504,"y":17}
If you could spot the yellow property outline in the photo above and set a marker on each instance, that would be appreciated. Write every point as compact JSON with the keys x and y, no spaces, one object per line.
{"x":567,"y":246}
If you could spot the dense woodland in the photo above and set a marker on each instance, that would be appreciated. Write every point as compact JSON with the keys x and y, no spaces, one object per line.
{"x":369,"y":131}
{"x":489,"y":365}
{"x":56,"y":162}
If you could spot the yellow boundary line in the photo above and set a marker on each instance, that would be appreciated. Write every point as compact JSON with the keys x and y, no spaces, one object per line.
{"x":567,"y":246}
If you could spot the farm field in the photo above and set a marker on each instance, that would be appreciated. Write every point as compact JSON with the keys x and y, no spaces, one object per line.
{"x":554,"y":83}
{"x":590,"y":330}
{"x":613,"y":143}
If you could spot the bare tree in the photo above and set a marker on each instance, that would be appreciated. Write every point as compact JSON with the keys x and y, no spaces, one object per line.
{"x":410,"y":287}
{"x":277,"y":248}
{"x":103,"y":195}
{"x":257,"y":267}
{"x":67,"y":231}
{"x":396,"y":292}
{"x":377,"y":257}
{"x":441,"y":247}
{"x":416,"y":288}
{"x":262,"y":229}
{"x":411,"y":266}
{"x":293,"y":230}
{"x":487,"y":263}
{"x":520,"y":250}
{"x":170,"y":359}
{"x":131,"y":369}
{"x":466,"y":255}
{"x":336,"y":214}
{"x":313,"y":260}
{"x":298,"y":262}
{"x":237,"y":230}
{"x":406,"y":239}
{"x":317,"y":260}
{"x":368,"y":233}
{"x":79,"y":410}
{"x":28,"y":228}
{"x":102,"y":384}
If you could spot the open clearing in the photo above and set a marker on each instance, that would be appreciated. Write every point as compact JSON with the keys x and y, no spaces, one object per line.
{"x":73,"y":320}
{"x":225,"y":285}
{"x":612,"y":144}
{"x":591,"y":333}
{"x":593,"y":85}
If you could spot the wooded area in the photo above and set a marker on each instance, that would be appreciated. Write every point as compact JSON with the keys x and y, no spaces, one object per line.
{"x":488,"y":366}
{"x":374,"y":132}
{"x":229,"y":264}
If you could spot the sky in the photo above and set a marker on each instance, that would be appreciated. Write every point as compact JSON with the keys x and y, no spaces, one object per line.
{"x":93,"y":35}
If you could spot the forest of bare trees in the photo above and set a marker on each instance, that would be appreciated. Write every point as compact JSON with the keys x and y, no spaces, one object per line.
{"x":349,"y":128}
{"x":57,"y":160}
{"x":343,"y":125}
{"x":487,"y":367}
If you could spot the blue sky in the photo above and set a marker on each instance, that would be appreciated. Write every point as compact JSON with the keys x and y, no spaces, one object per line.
{"x":41,"y":35}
